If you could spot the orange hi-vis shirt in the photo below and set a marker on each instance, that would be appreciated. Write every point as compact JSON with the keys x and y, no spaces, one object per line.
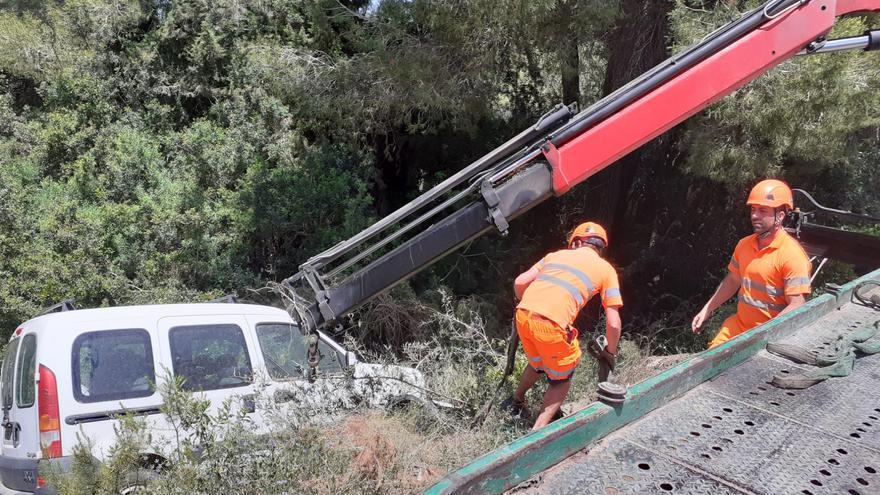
{"x":768,"y":275}
{"x":567,"y":280}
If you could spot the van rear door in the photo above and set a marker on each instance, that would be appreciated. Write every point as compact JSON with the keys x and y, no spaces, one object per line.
{"x":20,"y":418}
{"x":20,"y":422}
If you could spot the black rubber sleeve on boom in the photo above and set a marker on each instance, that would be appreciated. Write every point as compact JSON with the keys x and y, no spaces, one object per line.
{"x":860,"y":249}
{"x":519,"y":194}
{"x":666,"y":71}
{"x":873,"y":40}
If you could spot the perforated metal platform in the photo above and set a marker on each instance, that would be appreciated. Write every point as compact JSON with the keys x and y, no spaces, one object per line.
{"x":740,"y":434}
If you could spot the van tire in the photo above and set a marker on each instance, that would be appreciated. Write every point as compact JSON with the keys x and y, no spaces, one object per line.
{"x":150,"y":467}
{"x":138,"y":481}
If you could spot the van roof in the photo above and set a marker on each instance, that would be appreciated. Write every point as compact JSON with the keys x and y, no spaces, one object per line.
{"x":158,"y":311}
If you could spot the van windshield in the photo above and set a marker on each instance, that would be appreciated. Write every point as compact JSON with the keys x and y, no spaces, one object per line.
{"x":285,"y":351}
{"x":8,"y":371}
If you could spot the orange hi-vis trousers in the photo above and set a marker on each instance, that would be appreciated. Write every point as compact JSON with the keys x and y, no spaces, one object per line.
{"x":550,"y":349}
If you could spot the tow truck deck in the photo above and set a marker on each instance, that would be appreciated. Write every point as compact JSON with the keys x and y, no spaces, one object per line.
{"x":714,"y":424}
{"x":740,"y":434}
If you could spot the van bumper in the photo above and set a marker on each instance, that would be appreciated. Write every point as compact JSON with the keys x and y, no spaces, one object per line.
{"x":9,"y":491}
{"x":19,"y":476}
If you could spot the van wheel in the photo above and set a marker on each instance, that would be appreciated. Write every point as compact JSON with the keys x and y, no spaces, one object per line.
{"x":132,"y":490}
{"x":137,"y":481}
{"x":137,"y":485}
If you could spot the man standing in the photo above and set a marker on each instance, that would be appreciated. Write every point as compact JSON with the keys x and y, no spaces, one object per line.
{"x":551,"y":295}
{"x":769,"y":268}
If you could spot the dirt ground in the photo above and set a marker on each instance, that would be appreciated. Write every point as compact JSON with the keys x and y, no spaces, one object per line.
{"x":392,"y":456}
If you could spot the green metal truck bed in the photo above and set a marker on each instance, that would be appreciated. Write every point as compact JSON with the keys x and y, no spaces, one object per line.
{"x":713,"y":424}
{"x":737,"y":433}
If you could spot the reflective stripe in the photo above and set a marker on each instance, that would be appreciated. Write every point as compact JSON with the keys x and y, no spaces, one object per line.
{"x":615,"y":292}
{"x":734,"y":263}
{"x":574,"y":271}
{"x":767,"y":289}
{"x":789,"y":282}
{"x":575,"y":293}
{"x":535,"y":359}
{"x":760,"y":304}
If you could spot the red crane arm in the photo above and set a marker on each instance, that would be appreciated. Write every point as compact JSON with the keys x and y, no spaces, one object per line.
{"x":695,"y":89}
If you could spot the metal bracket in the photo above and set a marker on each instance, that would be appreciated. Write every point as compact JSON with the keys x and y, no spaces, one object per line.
{"x":320,"y":289}
{"x":797,"y":217}
{"x":65,"y":305}
{"x":815,"y":45}
{"x":831,"y":288}
{"x":492,"y":201}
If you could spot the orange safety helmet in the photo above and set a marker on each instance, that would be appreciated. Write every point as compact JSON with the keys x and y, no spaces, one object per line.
{"x":586,"y":230}
{"x":771,"y":192}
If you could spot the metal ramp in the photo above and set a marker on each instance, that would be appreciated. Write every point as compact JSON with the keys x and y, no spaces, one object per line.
{"x":713,"y":424}
{"x":740,"y":434}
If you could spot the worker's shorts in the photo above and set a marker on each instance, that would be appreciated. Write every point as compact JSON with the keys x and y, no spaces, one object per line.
{"x":729,"y":329}
{"x":550,"y":349}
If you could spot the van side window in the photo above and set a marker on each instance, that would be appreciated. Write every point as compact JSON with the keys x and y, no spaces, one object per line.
{"x":210,"y":357}
{"x":112,"y":365}
{"x":25,"y":385}
{"x":285,"y":351}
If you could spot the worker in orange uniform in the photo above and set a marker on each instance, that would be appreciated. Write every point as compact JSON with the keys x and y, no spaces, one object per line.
{"x":551,"y":294}
{"x":769,"y":268}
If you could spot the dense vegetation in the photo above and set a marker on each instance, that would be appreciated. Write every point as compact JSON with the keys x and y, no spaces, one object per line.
{"x":157,"y":151}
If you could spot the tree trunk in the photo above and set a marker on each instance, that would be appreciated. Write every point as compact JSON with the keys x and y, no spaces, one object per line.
{"x":638,"y":43}
{"x":569,"y":54}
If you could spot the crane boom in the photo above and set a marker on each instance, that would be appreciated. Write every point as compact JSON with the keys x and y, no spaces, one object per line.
{"x":563,"y":149}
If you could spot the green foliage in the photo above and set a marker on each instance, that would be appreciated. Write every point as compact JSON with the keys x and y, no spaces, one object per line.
{"x":172,"y":151}
{"x":125,"y":464}
{"x":209,"y":451}
{"x":808,"y":116}
{"x":175,"y":151}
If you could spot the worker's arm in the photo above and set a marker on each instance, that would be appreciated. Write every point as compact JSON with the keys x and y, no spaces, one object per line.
{"x":523,"y":280}
{"x":793,"y":302}
{"x":726,"y":289}
{"x":612,"y":328}
{"x":796,"y":274}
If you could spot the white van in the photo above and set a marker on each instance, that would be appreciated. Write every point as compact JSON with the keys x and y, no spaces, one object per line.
{"x":70,"y":372}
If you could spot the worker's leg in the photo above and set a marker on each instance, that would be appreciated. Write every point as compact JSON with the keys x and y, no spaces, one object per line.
{"x":531,"y":374}
{"x":729,"y":329}
{"x":529,"y":377}
{"x":559,"y":357}
{"x":554,"y":396}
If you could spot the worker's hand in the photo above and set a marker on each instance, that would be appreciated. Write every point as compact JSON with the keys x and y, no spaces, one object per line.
{"x":607,"y":363}
{"x":598,"y":348}
{"x":696,"y":325}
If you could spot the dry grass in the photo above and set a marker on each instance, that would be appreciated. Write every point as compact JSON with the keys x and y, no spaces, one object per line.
{"x":401,"y":453}
{"x":405,"y":452}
